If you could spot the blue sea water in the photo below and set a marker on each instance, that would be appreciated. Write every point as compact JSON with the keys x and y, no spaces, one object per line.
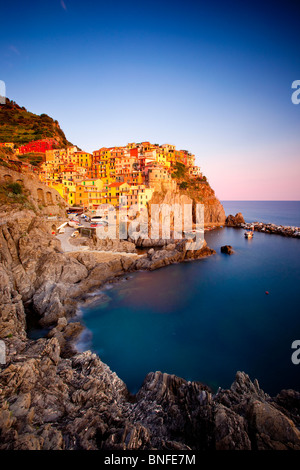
{"x":205,"y":320}
{"x":269,"y":212}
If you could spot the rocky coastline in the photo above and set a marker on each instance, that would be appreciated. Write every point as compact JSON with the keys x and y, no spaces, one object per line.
{"x":52,"y":397}
{"x":238,"y":221}
{"x":285,"y":231}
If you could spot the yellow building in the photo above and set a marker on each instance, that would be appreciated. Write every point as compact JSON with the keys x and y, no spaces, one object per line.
{"x":69,"y":191}
{"x":115,"y":191}
{"x":60,"y":188}
{"x":92,"y":183}
{"x":161,"y":158}
{"x":95,"y":198}
{"x":81,"y":195}
{"x":82,"y":159}
{"x":56,"y":156}
{"x":139,"y":195}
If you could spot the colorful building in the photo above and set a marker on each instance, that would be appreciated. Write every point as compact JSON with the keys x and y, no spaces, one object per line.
{"x":139,"y":195}
{"x":136,"y":170}
{"x":37,"y":146}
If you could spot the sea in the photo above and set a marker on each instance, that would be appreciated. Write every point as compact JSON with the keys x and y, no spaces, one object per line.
{"x":205,"y":320}
{"x":269,"y":212}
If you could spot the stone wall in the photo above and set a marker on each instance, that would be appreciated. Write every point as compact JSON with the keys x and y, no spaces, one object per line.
{"x":160,"y":180}
{"x":45,"y":198}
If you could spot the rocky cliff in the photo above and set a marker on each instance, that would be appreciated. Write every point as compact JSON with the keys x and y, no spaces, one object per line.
{"x":21,"y":191}
{"x":53,"y":398}
{"x":202,"y":193}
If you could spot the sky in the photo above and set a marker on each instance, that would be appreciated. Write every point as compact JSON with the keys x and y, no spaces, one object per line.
{"x":212,"y":77}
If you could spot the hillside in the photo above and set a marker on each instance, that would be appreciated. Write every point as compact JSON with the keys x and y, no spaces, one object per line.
{"x":21,"y":191}
{"x":192,"y":191}
{"x":20,"y":126}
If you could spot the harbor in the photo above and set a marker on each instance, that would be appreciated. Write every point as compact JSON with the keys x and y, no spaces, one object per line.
{"x":286,"y":231}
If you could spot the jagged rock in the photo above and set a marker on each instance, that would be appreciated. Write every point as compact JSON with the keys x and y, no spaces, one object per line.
{"x":12,"y":311}
{"x":288,"y":401}
{"x":272,"y":429}
{"x":141,"y":242}
{"x":56,"y":267}
{"x":21,"y":406}
{"x":230,"y":430}
{"x":52,"y":438}
{"x":171,"y":247}
{"x":65,"y":332}
{"x":176,"y":411}
{"x":176,"y":253}
{"x":87,"y":259}
{"x":114,"y":245}
{"x":235,"y":220}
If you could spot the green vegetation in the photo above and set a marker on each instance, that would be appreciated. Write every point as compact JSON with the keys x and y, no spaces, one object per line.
{"x":180,"y":171}
{"x":184,"y":185}
{"x":196,"y":188}
{"x":34,"y":158}
{"x":20,"y":126}
{"x":14,"y":188}
{"x":13,"y":193}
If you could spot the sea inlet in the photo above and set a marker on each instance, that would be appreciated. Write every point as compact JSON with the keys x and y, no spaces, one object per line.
{"x":204,"y":320}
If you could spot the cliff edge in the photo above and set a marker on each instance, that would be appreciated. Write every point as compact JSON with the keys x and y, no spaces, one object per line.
{"x":184,"y":189}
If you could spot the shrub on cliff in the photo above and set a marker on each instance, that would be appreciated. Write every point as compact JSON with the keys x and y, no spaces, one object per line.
{"x":14,"y":188}
{"x":184,"y":185}
{"x":179,"y":170}
{"x":12,"y":193}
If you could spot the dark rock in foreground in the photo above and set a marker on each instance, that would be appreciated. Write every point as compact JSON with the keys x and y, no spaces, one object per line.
{"x":52,"y":403}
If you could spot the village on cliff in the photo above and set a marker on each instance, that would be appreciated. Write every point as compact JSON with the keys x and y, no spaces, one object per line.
{"x":89,"y":180}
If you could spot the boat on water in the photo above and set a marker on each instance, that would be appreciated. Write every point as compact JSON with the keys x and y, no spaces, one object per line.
{"x":249,"y":234}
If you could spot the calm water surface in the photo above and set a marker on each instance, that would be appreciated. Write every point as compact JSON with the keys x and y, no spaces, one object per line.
{"x":269,"y":212}
{"x":207,"y":319}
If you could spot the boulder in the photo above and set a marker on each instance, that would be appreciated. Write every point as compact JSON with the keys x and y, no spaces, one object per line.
{"x":227,"y":249}
{"x":235,"y":220}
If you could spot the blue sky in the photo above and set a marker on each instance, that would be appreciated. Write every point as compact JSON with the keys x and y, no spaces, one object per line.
{"x":211,"y":77}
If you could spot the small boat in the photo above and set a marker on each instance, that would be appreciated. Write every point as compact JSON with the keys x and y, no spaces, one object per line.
{"x":73,"y":223}
{"x":249,"y":234}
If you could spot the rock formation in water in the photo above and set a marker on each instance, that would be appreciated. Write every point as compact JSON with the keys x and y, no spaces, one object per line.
{"x":235,"y":220}
{"x":227,"y":249}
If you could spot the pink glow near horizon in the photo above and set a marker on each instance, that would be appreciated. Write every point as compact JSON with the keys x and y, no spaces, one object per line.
{"x":261,"y":175}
